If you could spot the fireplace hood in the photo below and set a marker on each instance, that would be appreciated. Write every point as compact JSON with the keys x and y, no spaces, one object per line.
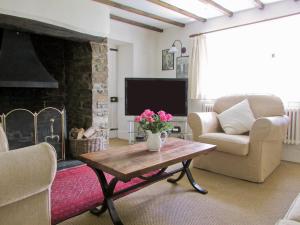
{"x":19,"y":64}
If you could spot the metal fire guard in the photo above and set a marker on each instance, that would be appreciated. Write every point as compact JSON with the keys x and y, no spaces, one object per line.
{"x":24,"y":128}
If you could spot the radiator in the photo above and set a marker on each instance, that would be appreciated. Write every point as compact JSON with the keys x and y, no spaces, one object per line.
{"x":208,"y":107}
{"x":293,"y":130}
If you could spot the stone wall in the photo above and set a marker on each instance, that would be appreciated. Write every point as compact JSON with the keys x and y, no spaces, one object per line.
{"x":78,"y":58}
{"x":100,"y":89}
{"x":86,"y":69}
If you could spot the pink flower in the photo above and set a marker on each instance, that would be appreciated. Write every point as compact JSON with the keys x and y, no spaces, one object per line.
{"x":138,"y":119}
{"x":147,"y":113}
{"x":163,"y":118}
{"x":150,"y":119}
{"x":169,"y":117}
{"x":161,"y":113}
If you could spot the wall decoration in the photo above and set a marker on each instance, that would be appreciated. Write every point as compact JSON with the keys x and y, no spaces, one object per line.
{"x":182,"y":67}
{"x":167,"y":60}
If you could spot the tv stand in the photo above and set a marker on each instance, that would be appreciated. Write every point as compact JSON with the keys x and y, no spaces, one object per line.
{"x":137,"y":134}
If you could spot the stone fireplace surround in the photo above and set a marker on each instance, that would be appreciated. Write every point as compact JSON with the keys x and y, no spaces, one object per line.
{"x":80,"y":67}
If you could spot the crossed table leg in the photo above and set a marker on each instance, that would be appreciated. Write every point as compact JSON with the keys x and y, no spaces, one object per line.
{"x":110,"y":195}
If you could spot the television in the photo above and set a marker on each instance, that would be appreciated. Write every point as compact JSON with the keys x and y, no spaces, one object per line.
{"x":168,"y":94}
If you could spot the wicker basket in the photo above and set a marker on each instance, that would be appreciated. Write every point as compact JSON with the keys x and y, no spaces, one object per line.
{"x":82,"y":146}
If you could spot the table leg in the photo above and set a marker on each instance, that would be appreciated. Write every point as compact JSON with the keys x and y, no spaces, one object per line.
{"x":181,"y":175}
{"x":186,"y":170}
{"x":108,"y":191}
{"x":97,"y":211}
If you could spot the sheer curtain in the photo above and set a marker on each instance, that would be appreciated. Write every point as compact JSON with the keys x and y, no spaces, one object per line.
{"x":198,"y":66}
{"x":260,"y":58}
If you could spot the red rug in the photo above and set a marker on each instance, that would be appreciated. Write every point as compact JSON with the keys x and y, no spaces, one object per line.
{"x":76,"y":190}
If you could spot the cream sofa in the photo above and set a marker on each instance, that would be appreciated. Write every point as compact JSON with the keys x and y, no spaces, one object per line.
{"x":25,"y":178}
{"x":292,"y":217}
{"x":251,"y":156}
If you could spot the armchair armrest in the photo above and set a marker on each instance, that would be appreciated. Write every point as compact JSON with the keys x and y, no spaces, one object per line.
{"x":25,"y":172}
{"x":3,"y":140}
{"x":203,"y":122}
{"x":269,"y":128}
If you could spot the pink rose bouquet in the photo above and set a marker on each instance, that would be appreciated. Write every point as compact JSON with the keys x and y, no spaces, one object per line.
{"x":155,"y":122}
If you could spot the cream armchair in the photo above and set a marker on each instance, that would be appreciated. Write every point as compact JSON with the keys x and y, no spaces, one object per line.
{"x":251,"y":156}
{"x":25,"y":178}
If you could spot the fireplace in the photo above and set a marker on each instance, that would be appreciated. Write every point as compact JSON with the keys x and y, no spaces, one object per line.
{"x":79,"y":67}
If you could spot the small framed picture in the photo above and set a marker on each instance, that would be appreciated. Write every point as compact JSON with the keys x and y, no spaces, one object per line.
{"x":167,"y":60}
{"x":182,"y":67}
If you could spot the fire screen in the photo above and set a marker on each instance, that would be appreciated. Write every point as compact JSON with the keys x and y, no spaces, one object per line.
{"x":24,"y":128}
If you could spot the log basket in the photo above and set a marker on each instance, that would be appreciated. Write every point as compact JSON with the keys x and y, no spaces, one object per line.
{"x":85,"y":145}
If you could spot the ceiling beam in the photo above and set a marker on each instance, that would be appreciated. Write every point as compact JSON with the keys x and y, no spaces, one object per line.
{"x":134,"y":23}
{"x":218,"y":6}
{"x":176,"y":9}
{"x":140,"y":12}
{"x":260,"y":4}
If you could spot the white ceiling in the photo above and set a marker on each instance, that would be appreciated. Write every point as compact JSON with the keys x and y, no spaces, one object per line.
{"x":194,"y":6}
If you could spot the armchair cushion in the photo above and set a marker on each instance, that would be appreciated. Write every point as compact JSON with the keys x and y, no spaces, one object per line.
{"x":233,"y":144}
{"x":238,"y":119}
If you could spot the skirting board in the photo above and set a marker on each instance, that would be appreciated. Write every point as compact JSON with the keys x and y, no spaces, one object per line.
{"x":291,"y":153}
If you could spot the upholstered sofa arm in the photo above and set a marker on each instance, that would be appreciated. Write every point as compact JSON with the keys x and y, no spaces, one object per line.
{"x":3,"y":140}
{"x":203,"y":122}
{"x":269,"y":128}
{"x":25,"y":172}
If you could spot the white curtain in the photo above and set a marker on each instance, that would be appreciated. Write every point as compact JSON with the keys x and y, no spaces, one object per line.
{"x":197,"y":66}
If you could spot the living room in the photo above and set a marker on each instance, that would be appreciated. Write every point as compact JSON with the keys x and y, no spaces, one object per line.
{"x":78,"y":75}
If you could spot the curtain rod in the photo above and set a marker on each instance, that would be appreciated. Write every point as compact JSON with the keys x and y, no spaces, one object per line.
{"x":245,"y":24}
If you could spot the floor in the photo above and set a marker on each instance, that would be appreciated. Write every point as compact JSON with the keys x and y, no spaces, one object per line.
{"x":229,"y":201}
{"x":116,"y":142}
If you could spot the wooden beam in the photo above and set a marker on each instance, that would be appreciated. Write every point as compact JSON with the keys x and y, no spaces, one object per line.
{"x":140,"y":12}
{"x":132,"y":22}
{"x":218,"y":6}
{"x":260,"y":4}
{"x":176,"y":9}
{"x":245,"y":24}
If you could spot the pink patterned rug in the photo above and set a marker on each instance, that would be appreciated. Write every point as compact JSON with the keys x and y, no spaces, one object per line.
{"x":76,"y":190}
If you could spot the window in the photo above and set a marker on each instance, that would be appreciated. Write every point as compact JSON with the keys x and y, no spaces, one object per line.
{"x":259,"y":58}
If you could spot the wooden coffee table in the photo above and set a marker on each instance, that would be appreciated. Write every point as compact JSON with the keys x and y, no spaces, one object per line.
{"x":132,"y":161}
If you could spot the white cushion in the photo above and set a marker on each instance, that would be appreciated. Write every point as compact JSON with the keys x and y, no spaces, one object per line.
{"x":238,"y":119}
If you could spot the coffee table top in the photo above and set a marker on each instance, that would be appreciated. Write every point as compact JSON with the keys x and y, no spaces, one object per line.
{"x":130,"y":161}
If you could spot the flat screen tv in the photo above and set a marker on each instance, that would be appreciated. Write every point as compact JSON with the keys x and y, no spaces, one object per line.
{"x":156,"y":94}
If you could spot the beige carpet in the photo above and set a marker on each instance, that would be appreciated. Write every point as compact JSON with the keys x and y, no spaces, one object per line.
{"x":229,"y":201}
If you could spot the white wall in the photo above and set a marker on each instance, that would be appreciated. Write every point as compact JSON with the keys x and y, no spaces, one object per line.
{"x":136,"y":58}
{"x":84,"y":16}
{"x":290,"y":152}
{"x":144,"y":46}
{"x":169,"y":35}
